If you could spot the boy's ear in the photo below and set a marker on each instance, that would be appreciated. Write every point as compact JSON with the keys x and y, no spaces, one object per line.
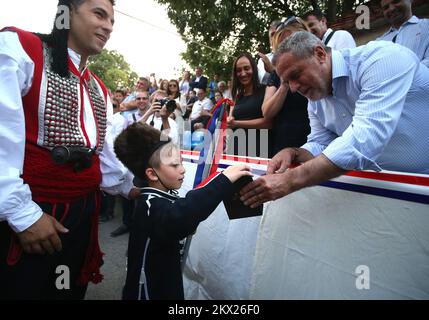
{"x":151,"y":175}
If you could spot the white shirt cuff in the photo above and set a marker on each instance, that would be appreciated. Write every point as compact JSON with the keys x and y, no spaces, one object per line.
{"x":26,"y":215}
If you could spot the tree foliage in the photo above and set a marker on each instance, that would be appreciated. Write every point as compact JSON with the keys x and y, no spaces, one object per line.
{"x":112,"y":68}
{"x":229,"y":27}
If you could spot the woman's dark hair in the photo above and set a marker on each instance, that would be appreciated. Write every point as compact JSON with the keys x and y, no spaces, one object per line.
{"x":177,"y":94}
{"x":138,"y":147}
{"x":237,"y":90}
{"x":58,"y":39}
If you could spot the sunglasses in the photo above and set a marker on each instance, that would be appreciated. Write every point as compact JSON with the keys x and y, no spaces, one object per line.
{"x":172,"y":85}
{"x":284,"y":24}
{"x":142,"y":98}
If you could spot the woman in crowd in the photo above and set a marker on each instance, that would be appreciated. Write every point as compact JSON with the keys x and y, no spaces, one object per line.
{"x":218,"y":96}
{"x":246,"y":116}
{"x":184,"y":85}
{"x":287,"y":110}
{"x":163,"y":85}
{"x":174,"y":94}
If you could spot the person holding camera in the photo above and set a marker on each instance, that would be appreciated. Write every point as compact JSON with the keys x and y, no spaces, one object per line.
{"x":158,"y":115}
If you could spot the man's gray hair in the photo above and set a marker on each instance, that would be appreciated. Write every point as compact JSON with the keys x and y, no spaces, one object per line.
{"x":300,"y":44}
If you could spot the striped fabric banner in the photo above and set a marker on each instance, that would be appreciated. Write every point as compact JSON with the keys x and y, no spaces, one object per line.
{"x":211,"y":153}
{"x":389,"y":184}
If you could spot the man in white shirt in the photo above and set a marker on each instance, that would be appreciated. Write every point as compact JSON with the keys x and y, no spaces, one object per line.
{"x":366,"y":112}
{"x":201,"y":110}
{"x":158,"y":115}
{"x":335,"y":39}
{"x":406,"y":29}
{"x":143,"y":106}
{"x":57,"y":153}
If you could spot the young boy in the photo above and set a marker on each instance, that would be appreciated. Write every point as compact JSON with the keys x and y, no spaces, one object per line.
{"x":161,"y":218}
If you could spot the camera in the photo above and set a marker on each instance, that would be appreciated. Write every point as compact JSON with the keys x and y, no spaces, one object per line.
{"x":80,"y":157}
{"x":171,"y":104}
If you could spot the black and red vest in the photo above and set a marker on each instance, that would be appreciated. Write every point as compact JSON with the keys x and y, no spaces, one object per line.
{"x":54,"y":116}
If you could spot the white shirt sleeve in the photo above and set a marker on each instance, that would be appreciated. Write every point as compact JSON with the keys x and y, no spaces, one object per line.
{"x":207,"y":104}
{"x":173,"y":132}
{"x":342,"y":40}
{"x":116,"y":179}
{"x":16,"y":76}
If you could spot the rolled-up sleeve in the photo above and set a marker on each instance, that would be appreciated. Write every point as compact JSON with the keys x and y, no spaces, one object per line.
{"x":16,"y":75}
{"x":320,"y":137}
{"x":384,"y":86}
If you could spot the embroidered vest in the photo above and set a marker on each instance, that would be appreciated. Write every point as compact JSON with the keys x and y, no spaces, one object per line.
{"x":54,"y":116}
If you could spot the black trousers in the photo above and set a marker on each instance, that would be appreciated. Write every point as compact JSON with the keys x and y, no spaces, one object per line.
{"x":34,"y":276}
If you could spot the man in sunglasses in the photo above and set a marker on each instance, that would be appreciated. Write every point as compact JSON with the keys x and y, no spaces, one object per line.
{"x":335,"y":39}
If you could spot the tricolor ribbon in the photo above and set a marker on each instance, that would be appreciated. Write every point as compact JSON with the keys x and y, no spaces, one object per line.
{"x":213,"y":151}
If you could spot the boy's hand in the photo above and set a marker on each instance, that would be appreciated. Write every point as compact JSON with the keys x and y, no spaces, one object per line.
{"x":233,"y":173}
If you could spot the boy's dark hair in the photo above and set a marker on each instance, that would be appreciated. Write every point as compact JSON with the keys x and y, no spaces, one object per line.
{"x":121,"y":91}
{"x":316,"y":12}
{"x":138,"y":147}
{"x":58,"y":39}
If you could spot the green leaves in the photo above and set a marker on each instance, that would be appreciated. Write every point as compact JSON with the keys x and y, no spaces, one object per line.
{"x":233,"y":26}
{"x":112,"y":68}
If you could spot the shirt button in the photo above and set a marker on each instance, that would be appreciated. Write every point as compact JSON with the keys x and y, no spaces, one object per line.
{"x":344,"y":115}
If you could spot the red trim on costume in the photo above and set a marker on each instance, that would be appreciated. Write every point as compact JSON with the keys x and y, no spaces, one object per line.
{"x":50,"y":182}
{"x":66,"y":212}
{"x":31,"y":43}
{"x":97,"y":144}
{"x":81,"y":118}
{"x":15,"y":250}
{"x":90,"y":271}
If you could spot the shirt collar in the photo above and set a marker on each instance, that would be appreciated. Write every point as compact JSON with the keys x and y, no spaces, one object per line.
{"x":159,"y":193}
{"x":327,"y":33}
{"x":412,"y":20}
{"x":76,"y":58}
{"x":339,"y":68}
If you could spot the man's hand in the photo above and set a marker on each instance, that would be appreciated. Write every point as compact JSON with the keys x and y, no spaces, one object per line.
{"x":134,"y":193}
{"x":281,"y":161}
{"x":42,"y":237}
{"x":273,"y":186}
{"x":266,"y":188}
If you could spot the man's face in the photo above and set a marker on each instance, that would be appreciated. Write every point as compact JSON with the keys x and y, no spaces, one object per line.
{"x":396,"y":12}
{"x":318,"y":28}
{"x":222,"y":87}
{"x":198,"y":72}
{"x":142,"y":99}
{"x":311,"y":77}
{"x":201,"y":94}
{"x":142,"y":85}
{"x":90,"y":27}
